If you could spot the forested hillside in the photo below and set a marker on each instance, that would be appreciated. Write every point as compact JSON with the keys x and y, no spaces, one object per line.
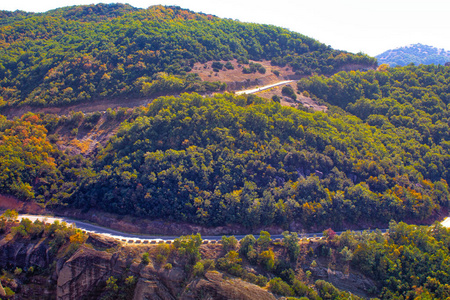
{"x":410,"y":103}
{"x":198,"y":157}
{"x":245,"y":160}
{"x":81,"y":53}
{"x":381,"y":152}
{"x":241,"y":160}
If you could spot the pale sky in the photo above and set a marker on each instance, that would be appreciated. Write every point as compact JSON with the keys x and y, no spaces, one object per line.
{"x":366,"y":26}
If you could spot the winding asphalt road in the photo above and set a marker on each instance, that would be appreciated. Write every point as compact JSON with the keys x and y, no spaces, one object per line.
{"x":266,"y":87}
{"x":129,"y":237}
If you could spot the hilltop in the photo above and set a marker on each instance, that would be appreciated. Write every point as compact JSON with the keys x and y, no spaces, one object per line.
{"x":416,"y":54}
{"x":84,"y":53}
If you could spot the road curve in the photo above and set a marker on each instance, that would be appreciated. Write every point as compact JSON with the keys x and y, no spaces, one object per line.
{"x":266,"y":87}
{"x":143,"y":237}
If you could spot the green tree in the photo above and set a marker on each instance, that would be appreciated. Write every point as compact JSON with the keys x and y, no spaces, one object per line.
{"x":188,"y":246}
{"x":264,"y":240}
{"x":291,"y":243}
{"x":10,"y":215}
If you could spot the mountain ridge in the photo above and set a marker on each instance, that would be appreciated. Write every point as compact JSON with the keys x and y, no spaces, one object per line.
{"x":416,"y":54}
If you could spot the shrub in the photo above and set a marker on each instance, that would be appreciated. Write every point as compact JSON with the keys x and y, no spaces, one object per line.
{"x":209,"y":264}
{"x":130,"y":280}
{"x":188,"y":246}
{"x":199,"y":269}
{"x":229,"y":243}
{"x":217,"y":65}
{"x":247,"y":242}
{"x":8,"y":291}
{"x":256,"y":279}
{"x":10,"y":215}
{"x":111,"y":284}
{"x":300,"y":288}
{"x":231,"y":263}
{"x":229,"y":66}
{"x":267,"y":259}
{"x":288,"y":91}
{"x":17,"y":271}
{"x":145,"y":258}
{"x":91,"y":120}
{"x":242,"y":60}
{"x":280,"y":287}
{"x":264,"y":240}
{"x":290,"y":242}
{"x":162,"y":252}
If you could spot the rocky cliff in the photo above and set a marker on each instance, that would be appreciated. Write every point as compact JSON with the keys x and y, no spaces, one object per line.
{"x":85,"y":273}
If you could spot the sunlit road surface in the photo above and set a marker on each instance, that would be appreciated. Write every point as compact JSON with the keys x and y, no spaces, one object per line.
{"x":446,"y":222}
{"x":97,"y":229}
{"x":143,"y":237}
{"x":266,"y":87}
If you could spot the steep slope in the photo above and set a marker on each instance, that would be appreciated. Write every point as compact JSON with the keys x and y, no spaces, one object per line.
{"x":48,"y":261}
{"x":416,"y":54}
{"x":83,"y":53}
{"x":53,"y":261}
{"x":235,"y":159}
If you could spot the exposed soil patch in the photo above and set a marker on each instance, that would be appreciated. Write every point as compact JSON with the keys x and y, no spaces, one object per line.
{"x":9,"y":202}
{"x":287,"y":101}
{"x":237,"y":80}
{"x":85,"y":141}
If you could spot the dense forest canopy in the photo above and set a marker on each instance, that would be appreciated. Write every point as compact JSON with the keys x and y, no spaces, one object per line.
{"x":410,"y":102}
{"x":100,"y":51}
{"x":411,"y":262}
{"x":235,"y":159}
{"x":31,"y":165}
{"x":246,"y":160}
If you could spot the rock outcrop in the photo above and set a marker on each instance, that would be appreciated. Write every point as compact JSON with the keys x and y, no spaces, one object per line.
{"x":2,"y":291}
{"x":151,"y":290}
{"x":214,"y":286}
{"x":89,"y":268}
{"x":83,"y":272}
{"x":358,"y":284}
{"x":24,"y":255}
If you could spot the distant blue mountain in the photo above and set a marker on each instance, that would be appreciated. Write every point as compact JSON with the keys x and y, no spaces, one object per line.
{"x":417,"y":54}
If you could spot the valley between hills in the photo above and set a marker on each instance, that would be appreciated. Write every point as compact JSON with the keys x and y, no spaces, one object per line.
{"x":138,"y":120}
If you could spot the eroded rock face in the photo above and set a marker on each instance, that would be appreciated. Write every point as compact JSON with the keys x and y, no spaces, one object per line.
{"x":82,"y":273}
{"x":357,"y":284}
{"x":151,"y":290}
{"x":2,"y":291}
{"x":99,"y":241}
{"x":24,"y":255}
{"x":214,"y":286}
